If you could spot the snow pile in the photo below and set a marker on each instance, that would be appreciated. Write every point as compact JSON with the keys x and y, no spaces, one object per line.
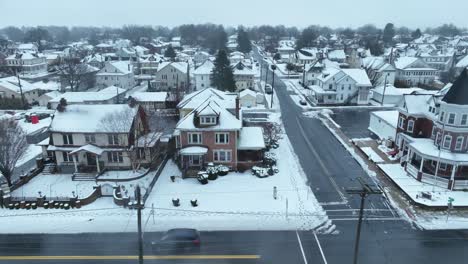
{"x":372,"y":155}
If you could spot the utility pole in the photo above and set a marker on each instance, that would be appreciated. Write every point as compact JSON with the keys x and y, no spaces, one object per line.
{"x":273,"y":68}
{"x":364,"y":191}
{"x":384,"y":88}
{"x":303,"y":75}
{"x":21,"y":90}
{"x":140,"y":236}
{"x":266,"y":74}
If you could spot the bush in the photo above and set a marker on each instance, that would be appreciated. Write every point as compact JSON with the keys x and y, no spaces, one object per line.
{"x":222,"y":170}
{"x":269,"y":159}
{"x":261,"y":172}
{"x":202,"y":178}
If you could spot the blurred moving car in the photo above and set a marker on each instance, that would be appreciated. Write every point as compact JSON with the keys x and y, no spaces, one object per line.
{"x":178,"y":240}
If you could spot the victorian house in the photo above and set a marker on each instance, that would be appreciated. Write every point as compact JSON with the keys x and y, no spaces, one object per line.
{"x":432,"y":136}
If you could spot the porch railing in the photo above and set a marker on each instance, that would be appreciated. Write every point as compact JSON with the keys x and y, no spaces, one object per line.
{"x":460,"y":184}
{"x":412,"y":170}
{"x":434,"y":180}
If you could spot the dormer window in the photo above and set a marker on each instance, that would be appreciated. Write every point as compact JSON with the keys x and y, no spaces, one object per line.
{"x":207,"y":120}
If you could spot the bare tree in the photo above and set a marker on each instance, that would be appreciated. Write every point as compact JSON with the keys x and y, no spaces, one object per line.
{"x":143,"y":143}
{"x":75,"y":73}
{"x":272,"y":133}
{"x":13,"y":146}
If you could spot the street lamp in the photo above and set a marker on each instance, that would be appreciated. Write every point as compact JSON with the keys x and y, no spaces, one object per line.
{"x":273,"y":68}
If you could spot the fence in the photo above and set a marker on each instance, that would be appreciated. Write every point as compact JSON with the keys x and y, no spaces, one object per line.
{"x":155,"y":178}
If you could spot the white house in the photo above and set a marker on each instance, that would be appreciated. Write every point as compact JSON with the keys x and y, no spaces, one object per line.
{"x":28,"y":65}
{"x":243,"y":76}
{"x":151,"y":101}
{"x":341,"y":86}
{"x":248,"y":98}
{"x":384,"y":124}
{"x":392,"y":95}
{"x":202,"y":75}
{"x":172,"y":75}
{"x":10,"y":88}
{"x":117,"y":73}
{"x":379,"y":70}
{"x":413,"y":71}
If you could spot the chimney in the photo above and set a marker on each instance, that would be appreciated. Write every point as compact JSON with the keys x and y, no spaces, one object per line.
{"x":237,"y":106}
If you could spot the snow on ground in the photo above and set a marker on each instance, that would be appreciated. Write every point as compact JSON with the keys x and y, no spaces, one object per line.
{"x":241,"y":201}
{"x":372,"y":155}
{"x":31,"y":152}
{"x":125,"y":174}
{"x":297,"y":98}
{"x":414,"y":188}
{"x":30,"y":127}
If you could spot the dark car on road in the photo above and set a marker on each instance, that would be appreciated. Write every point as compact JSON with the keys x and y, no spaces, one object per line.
{"x":179,"y":240}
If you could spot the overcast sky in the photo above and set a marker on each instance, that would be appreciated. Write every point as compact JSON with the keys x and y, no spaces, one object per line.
{"x":334,"y":13}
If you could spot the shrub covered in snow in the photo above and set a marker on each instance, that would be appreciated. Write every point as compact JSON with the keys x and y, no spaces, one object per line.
{"x":222,"y":170}
{"x":261,"y":172}
{"x":269,"y":159}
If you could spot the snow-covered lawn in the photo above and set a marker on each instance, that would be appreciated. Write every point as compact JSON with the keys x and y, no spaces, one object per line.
{"x":31,"y":152}
{"x":241,"y":200}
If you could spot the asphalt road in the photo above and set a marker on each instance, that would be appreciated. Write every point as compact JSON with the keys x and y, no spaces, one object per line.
{"x":354,"y":122}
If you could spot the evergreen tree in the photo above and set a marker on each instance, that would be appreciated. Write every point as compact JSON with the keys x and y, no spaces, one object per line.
{"x":243,"y":41}
{"x":222,"y":76}
{"x":308,"y":37}
{"x":416,"y":34}
{"x":170,"y":53}
{"x":388,"y":33}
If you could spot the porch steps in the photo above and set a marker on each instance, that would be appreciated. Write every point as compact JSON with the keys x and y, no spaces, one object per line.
{"x":49,"y":168}
{"x":83,"y":177}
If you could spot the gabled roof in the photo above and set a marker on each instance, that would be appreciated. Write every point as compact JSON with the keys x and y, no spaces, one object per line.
{"x":458,"y":93}
{"x":205,"y":68}
{"x":416,"y":104}
{"x":193,"y":100}
{"x":180,"y":66}
{"x":226,"y":120}
{"x":359,"y":75}
{"x":11,"y":83}
{"x":111,"y":118}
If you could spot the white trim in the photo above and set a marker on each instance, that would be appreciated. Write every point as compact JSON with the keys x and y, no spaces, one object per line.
{"x":226,"y":137}
{"x":190,"y":141}
{"x":461,"y":144}
{"x":454,"y":118}
{"x":218,"y":153}
{"x":412,"y":126}
{"x":450,"y":142}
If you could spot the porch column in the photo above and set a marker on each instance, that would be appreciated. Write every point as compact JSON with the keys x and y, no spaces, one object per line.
{"x":408,"y":158}
{"x":75,"y":162}
{"x":452,"y":177}
{"x":420,"y":169}
{"x":97,"y":163}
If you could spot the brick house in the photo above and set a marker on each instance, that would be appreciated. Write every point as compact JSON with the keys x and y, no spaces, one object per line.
{"x":211,"y":133}
{"x":432,"y":136}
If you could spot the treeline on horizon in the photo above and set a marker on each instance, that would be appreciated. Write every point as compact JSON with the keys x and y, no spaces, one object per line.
{"x":214,"y":37}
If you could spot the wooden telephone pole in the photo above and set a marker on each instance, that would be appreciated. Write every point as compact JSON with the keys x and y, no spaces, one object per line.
{"x":364,"y":191}
{"x":140,"y":235}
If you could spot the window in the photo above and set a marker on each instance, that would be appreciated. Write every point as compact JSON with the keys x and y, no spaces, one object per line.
{"x":222,"y":155}
{"x":330,"y":86}
{"x":459,"y":143}
{"x":443,"y":166}
{"x":194,"y":138}
{"x":349,"y":87}
{"x":441,"y":117}
{"x":113,"y":139}
{"x":433,"y":132}
{"x":115,"y":157}
{"x":67,"y":139}
{"x":222,"y":138}
{"x":141,"y":154}
{"x":401,"y":122}
{"x":447,"y":142}
{"x":90,"y":139}
{"x":451,"y":119}
{"x":410,"y":126}
{"x":67,"y":157}
{"x":207,"y":120}
{"x":464,"y":119}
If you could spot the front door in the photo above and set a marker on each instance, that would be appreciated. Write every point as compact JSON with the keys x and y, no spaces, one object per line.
{"x":194,"y":160}
{"x":91,"y":158}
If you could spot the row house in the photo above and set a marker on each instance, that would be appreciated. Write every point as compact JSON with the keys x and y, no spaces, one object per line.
{"x":432,"y":136}
{"x":212,"y":134}
{"x":116,"y":73}
{"x":91,"y":138}
{"x":340,"y":87}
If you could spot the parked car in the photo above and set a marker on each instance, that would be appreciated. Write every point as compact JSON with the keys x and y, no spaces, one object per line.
{"x":303,"y":102}
{"x":178,"y":240}
{"x":268,"y":89}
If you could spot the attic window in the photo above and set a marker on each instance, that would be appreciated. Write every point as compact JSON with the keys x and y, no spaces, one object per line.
{"x":207,"y":120}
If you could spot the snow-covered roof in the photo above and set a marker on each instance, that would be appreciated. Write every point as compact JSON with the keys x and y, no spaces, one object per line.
{"x":426,"y":146}
{"x":251,"y":138}
{"x":359,"y":75}
{"x":240,"y":69}
{"x":123,"y":67}
{"x":94,"y":119}
{"x":88,"y":148}
{"x":148,"y":140}
{"x":150,"y":96}
{"x":337,"y":55}
{"x":390,"y":117}
{"x":226,"y":120}
{"x":463,"y":63}
{"x":180,"y":66}
{"x":205,"y":68}
{"x":247,"y":92}
{"x":392,"y":90}
{"x":195,"y":99}
{"x":11,"y":83}
{"x":82,"y":97}
{"x":193,"y":150}
{"x":49,"y":86}
{"x":416,"y":104}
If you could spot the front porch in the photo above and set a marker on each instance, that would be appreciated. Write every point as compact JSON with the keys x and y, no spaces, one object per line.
{"x":86,"y":162}
{"x":436,"y":168}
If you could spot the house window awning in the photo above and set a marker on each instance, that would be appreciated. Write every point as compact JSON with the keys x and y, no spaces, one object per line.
{"x":89,"y":148}
{"x":194,"y":150}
